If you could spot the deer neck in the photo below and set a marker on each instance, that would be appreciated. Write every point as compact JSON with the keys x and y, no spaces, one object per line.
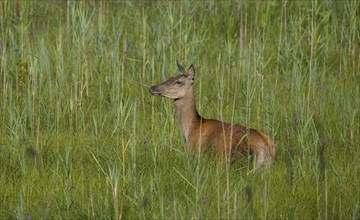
{"x":188,"y":117}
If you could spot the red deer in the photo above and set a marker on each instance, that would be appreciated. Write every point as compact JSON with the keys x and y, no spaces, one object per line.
{"x":203,"y":134}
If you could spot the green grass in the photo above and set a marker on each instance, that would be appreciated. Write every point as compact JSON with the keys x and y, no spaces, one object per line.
{"x":81,"y":137}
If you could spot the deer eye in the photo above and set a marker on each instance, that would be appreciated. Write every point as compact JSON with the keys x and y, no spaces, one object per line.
{"x":178,"y":82}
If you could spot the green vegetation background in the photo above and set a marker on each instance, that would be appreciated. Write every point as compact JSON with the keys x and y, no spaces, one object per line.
{"x":81,"y":137}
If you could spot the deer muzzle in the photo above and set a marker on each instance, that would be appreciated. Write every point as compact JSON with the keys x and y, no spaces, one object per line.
{"x":154,"y":91}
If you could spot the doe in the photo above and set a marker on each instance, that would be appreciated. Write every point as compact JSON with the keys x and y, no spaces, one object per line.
{"x":203,"y":134}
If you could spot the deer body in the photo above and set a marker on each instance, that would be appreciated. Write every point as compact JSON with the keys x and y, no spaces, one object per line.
{"x":203,"y":134}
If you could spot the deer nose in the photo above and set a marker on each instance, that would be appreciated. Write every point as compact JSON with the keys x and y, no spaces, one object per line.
{"x":151,"y":90}
{"x":154,"y":90}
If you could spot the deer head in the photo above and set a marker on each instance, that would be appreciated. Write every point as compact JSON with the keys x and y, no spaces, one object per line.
{"x":176,"y":87}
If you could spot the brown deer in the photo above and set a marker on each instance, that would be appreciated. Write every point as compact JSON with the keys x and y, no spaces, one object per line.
{"x":203,"y":134}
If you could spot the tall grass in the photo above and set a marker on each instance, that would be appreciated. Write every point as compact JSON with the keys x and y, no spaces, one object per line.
{"x":81,"y":137}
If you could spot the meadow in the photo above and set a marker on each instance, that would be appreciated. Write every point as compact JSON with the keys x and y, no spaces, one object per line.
{"x":81,"y":137}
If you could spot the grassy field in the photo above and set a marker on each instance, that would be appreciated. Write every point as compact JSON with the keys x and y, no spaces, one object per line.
{"x":81,"y":137}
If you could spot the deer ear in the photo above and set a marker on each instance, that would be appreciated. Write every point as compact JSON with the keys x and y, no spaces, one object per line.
{"x":181,"y":69}
{"x":191,"y":72}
